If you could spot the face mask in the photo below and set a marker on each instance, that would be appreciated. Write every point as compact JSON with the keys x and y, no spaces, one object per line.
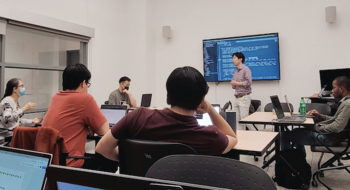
{"x":126,"y":88}
{"x":22,"y":91}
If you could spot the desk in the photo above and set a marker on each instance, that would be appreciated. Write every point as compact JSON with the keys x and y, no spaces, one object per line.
{"x":254,"y":142}
{"x":269,"y":118}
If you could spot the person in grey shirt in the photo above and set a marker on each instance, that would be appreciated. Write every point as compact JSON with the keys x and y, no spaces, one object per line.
{"x":10,"y":112}
{"x":122,"y":96}
{"x":241,"y":82}
{"x":334,"y":126}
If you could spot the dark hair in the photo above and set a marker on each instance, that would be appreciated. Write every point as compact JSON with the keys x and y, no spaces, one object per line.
{"x":239,"y":55}
{"x":75,"y":74}
{"x":344,"y":82}
{"x":13,"y":83}
{"x":186,"y":88}
{"x":124,"y":79}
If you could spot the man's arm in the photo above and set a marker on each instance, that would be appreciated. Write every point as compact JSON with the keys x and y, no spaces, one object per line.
{"x":339,"y":122}
{"x":102,"y":130}
{"x":131,"y":98}
{"x":107,"y":146}
{"x":221,"y":124}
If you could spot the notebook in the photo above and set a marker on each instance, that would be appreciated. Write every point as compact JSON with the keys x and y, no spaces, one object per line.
{"x":23,"y":169}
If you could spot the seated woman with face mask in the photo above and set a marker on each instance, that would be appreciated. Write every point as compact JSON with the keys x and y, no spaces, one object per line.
{"x":10,"y":111}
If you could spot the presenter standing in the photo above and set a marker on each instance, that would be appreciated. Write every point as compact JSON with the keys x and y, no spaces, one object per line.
{"x":241,"y":82}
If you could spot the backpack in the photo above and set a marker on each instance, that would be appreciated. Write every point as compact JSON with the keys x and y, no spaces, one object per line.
{"x":285,"y":177}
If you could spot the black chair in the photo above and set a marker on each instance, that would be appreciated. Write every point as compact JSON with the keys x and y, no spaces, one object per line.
{"x":137,"y":156}
{"x":324,"y":109}
{"x":256,"y":104}
{"x":212,"y":171}
{"x":339,"y":153}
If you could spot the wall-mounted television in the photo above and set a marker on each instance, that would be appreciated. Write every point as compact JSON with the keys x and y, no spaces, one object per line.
{"x":261,"y":56}
{"x":327,"y":76}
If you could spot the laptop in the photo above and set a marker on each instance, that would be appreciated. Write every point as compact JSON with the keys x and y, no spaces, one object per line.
{"x":23,"y":169}
{"x":113,"y":113}
{"x":146,"y":100}
{"x":67,"y":178}
{"x":280,"y":115}
{"x":293,"y":114}
{"x":204,"y":119}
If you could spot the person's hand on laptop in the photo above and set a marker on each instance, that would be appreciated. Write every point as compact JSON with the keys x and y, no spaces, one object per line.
{"x":314,"y":112}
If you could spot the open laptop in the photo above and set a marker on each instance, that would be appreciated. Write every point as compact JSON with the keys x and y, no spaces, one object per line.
{"x":280,"y":115}
{"x":23,"y":169}
{"x":293,"y":114}
{"x":204,"y":119}
{"x":113,"y":113}
{"x":146,"y":100}
{"x":67,"y":178}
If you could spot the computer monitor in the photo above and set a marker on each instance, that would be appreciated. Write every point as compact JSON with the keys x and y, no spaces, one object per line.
{"x":327,"y":76}
{"x":23,"y":169}
{"x":204,"y":119}
{"x":146,"y":100}
{"x":113,"y":113}
{"x":67,"y":178}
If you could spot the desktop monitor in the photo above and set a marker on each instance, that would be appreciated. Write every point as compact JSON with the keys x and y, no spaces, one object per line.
{"x":261,"y":56}
{"x":66,"y":178}
{"x":327,"y":76}
{"x":23,"y":169}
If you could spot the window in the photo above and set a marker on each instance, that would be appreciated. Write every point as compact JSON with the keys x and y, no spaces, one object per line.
{"x":38,"y":58}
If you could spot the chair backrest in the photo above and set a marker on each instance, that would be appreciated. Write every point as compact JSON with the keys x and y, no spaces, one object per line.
{"x":324,"y":109}
{"x":224,"y":108}
{"x":137,"y":156}
{"x":211,"y":170}
{"x":268,"y":107}
{"x":256,"y":104}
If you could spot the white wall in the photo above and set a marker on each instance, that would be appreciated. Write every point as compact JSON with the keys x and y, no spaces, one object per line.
{"x":307,"y":42}
{"x":128,"y":40}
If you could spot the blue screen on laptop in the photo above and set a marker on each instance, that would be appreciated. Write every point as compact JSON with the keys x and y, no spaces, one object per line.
{"x":68,"y":186}
{"x":21,"y":171}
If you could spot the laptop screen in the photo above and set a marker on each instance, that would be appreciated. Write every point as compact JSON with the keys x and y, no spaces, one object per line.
{"x":68,"y":186}
{"x":22,"y":171}
{"x":113,"y":115}
{"x":146,"y":100}
{"x":205,"y":120}
{"x":277,"y":106}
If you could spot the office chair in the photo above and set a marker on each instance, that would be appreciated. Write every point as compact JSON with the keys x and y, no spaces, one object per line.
{"x":339,"y":153}
{"x":50,"y":140}
{"x":224,"y":108}
{"x":256,"y":104}
{"x":212,"y":171}
{"x":137,"y":156}
{"x":324,"y":109}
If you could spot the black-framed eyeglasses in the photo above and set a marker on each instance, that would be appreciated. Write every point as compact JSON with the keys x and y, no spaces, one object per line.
{"x":88,"y":84}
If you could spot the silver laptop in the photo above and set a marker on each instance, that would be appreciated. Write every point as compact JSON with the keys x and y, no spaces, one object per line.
{"x":291,"y":112}
{"x":204,"y":119}
{"x":280,"y":115}
{"x":113,"y":113}
{"x":23,"y":169}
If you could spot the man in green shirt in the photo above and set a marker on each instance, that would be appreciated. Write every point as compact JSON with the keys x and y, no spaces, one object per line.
{"x":333,"y":125}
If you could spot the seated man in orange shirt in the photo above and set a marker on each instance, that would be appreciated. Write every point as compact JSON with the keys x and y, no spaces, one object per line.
{"x":73,"y":112}
{"x":186,"y":90}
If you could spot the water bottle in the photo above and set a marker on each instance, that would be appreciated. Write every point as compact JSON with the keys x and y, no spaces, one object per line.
{"x":302,"y":107}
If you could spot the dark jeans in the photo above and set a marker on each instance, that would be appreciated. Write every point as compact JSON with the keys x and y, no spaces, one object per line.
{"x":302,"y":136}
